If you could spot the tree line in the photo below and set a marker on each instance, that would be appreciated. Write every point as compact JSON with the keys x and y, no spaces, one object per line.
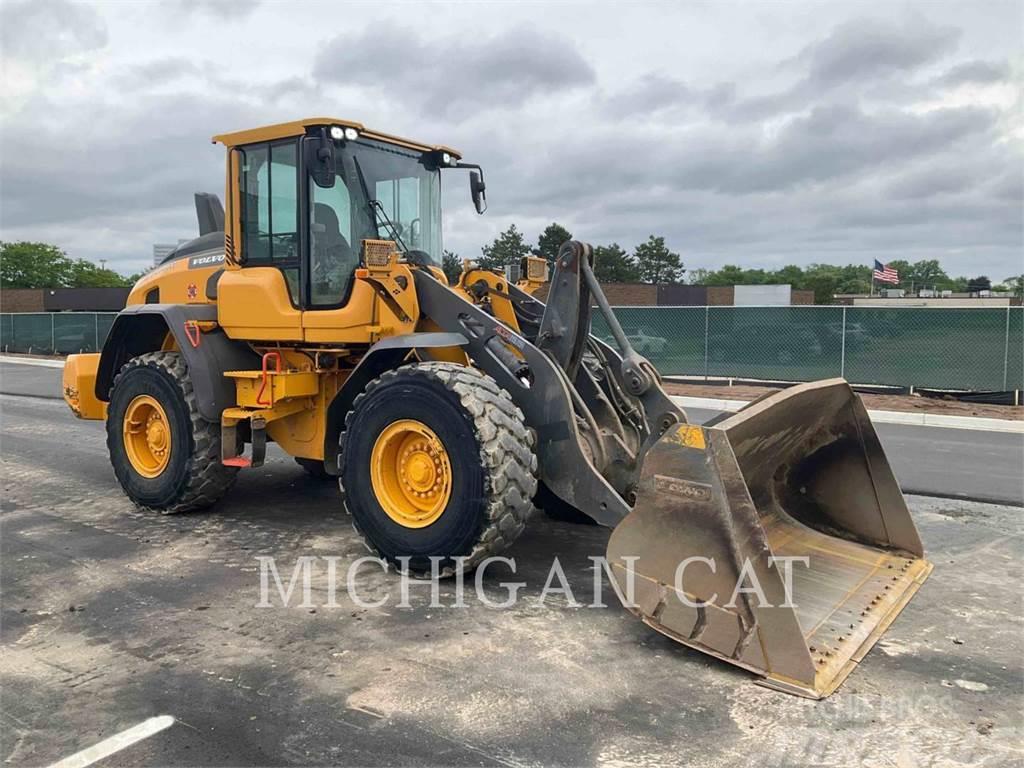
{"x":826,"y":280}
{"x":41,"y":265}
{"x":650,"y":261}
{"x":653,"y":262}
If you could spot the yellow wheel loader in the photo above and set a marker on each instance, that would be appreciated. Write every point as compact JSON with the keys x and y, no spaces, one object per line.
{"x":313,"y":313}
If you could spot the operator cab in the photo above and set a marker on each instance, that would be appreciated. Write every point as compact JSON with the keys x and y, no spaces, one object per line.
{"x":304,"y":196}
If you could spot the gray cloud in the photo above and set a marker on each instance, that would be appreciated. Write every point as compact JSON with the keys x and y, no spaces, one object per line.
{"x":978,"y":71}
{"x":651,"y":94}
{"x":860,"y":56}
{"x":48,"y":30}
{"x":455,"y":75}
{"x":830,"y":150}
{"x":223,"y":9}
{"x":157,"y":72}
{"x":865,"y":49}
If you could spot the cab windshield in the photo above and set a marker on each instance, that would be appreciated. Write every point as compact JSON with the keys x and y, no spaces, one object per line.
{"x":377,"y":186}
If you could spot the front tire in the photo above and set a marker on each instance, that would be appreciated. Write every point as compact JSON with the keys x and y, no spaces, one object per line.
{"x":436,"y":461}
{"x":165,"y":455}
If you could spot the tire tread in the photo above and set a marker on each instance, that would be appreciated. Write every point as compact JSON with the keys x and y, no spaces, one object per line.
{"x":207,"y":479}
{"x":506,"y":451}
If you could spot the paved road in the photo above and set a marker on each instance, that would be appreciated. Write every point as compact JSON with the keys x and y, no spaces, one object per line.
{"x":956,"y":463}
{"x":111,"y":616}
{"x":970,"y":464}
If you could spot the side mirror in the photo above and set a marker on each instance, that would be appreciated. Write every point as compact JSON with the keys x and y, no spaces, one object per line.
{"x":320,"y":160}
{"x":477,"y":188}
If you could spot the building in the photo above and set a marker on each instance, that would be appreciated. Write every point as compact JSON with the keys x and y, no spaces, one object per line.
{"x":160,"y":250}
{"x":20,"y":300}
{"x":681,"y":295}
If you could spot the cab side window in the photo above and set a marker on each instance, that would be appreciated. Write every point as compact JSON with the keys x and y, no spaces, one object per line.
{"x":270,"y":209}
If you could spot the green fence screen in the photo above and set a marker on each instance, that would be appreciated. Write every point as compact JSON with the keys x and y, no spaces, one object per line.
{"x":956,"y":348}
{"x":58,"y":333}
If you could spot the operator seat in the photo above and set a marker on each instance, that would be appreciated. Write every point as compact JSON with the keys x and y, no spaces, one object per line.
{"x":333,"y":259}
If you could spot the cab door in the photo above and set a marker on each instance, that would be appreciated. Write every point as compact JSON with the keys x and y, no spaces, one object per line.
{"x":259,"y":297}
{"x":343,"y":308}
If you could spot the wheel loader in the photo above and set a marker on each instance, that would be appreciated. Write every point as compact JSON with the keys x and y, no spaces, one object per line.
{"x":312,"y":312}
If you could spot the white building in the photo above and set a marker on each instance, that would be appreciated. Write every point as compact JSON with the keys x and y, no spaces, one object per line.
{"x":160,"y":250}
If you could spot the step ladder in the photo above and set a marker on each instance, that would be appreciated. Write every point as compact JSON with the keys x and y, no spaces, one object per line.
{"x":263,"y":396}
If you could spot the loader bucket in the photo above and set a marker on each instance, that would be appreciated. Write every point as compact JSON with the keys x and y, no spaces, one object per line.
{"x":707,"y":555}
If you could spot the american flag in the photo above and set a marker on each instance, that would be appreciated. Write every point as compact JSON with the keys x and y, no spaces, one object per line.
{"x":884,"y":273}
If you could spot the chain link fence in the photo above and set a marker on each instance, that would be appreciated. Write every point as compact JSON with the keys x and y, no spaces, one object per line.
{"x":957,"y":348}
{"x":55,"y":333}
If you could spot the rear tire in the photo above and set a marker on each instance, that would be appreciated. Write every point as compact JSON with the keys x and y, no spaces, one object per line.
{"x":190,"y":476}
{"x":485,"y":459}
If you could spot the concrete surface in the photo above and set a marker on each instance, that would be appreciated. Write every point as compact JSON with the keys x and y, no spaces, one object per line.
{"x":976,"y":465}
{"x":111,"y":616}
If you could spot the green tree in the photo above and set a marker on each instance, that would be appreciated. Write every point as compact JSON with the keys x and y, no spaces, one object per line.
{"x":657,"y":264}
{"x":903,"y":269}
{"x":730,"y":274}
{"x":853,"y":278}
{"x":698,"y":276}
{"x":981,"y":283}
{"x":1014,"y":285}
{"x":508,"y":248}
{"x":927,"y":274}
{"x":34,"y":265}
{"x":789,"y":275}
{"x":452,"y":266}
{"x":824,"y":280}
{"x":613,"y":265}
{"x":85,"y":274}
{"x":41,"y":265}
{"x":550,"y":240}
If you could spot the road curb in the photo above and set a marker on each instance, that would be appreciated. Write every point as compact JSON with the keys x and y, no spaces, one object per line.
{"x":717,"y":404}
{"x":40,"y":363}
{"x":879,"y":417}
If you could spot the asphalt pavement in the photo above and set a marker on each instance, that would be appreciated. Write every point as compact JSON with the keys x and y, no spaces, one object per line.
{"x":969,"y":464}
{"x":112,"y":617}
{"x":935,"y":461}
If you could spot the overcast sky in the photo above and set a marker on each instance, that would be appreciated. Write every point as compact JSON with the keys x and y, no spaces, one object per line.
{"x":757,"y":134}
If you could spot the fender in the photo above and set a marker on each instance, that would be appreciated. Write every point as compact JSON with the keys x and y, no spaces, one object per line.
{"x":141,"y":328}
{"x":385,"y":355}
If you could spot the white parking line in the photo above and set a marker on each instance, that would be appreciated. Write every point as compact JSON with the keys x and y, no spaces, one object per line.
{"x":116,"y":743}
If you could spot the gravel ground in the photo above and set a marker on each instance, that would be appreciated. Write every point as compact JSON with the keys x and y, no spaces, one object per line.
{"x":111,"y":616}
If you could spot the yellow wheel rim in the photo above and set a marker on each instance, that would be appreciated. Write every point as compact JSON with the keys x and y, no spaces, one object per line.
{"x":411,"y":473}
{"x":147,"y":436}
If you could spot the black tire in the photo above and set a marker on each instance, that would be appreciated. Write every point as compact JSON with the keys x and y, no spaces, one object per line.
{"x":494,"y":469}
{"x":314,"y":468}
{"x":194,"y":477}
